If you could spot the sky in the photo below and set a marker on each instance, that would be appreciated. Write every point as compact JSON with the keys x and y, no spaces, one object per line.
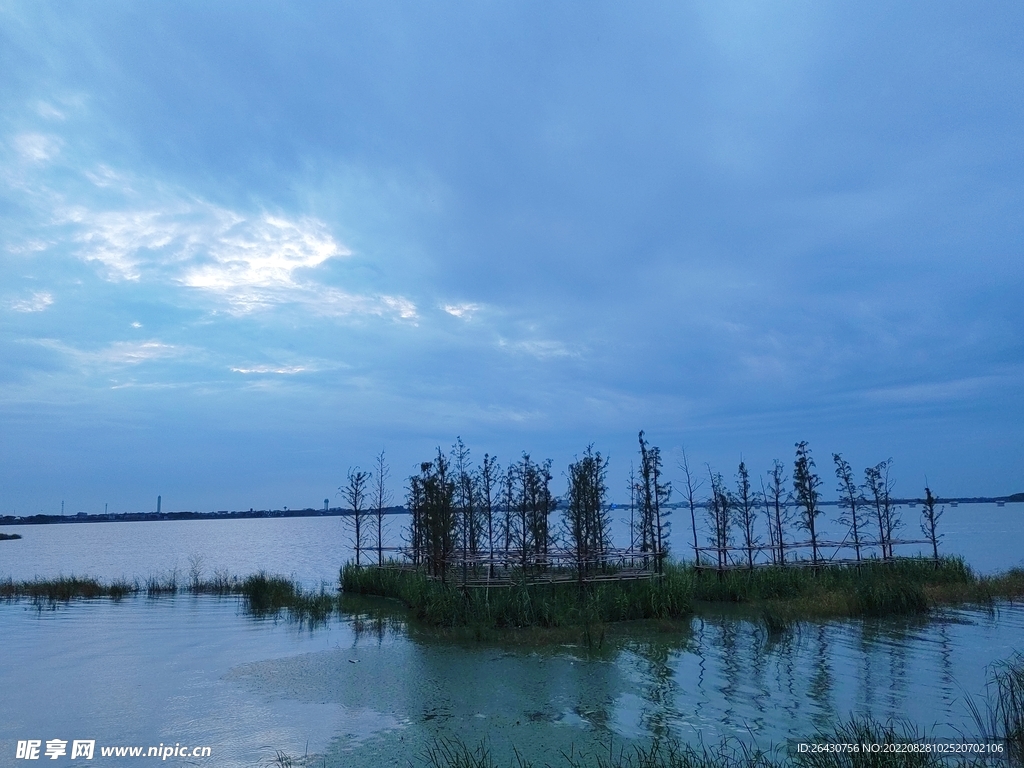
{"x":244,"y":247}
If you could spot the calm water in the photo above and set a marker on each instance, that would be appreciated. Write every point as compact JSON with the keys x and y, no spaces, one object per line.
{"x":311,"y":549}
{"x":370,"y":691}
{"x":364,"y":691}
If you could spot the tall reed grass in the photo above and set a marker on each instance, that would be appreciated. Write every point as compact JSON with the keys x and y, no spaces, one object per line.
{"x":669,"y":753}
{"x":521,"y":605}
{"x":903,"y":586}
{"x":263,"y":595}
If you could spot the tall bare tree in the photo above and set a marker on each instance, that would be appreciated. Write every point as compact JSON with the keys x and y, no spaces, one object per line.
{"x":929,"y":522}
{"x":850,"y":499}
{"x":720,"y":513}
{"x":467,"y":524}
{"x":432,"y":500}
{"x":489,"y":479}
{"x":878,"y":488}
{"x":777,"y":508}
{"x":805,"y":489}
{"x":654,"y":494}
{"x":381,"y":499}
{"x":533,"y":503}
{"x":584,"y":520}
{"x":746,"y":510}
{"x":691,"y":487}
{"x":354,"y":493}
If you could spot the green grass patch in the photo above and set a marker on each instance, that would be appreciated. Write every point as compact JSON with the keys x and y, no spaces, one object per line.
{"x":782,"y":595}
{"x":263,"y":595}
{"x":540,"y":605}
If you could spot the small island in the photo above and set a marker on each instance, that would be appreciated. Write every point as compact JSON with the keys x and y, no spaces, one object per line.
{"x":9,"y":536}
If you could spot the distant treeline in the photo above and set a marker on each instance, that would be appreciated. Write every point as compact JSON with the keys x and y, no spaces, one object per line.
{"x":121,"y":517}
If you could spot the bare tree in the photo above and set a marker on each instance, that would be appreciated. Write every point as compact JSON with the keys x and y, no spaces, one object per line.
{"x":691,"y":492}
{"x":381,"y":499}
{"x":632,"y":506}
{"x":929,"y":521}
{"x":805,"y":489}
{"x":536,"y":504}
{"x":879,"y":488}
{"x":654,"y":494}
{"x":488,"y":478}
{"x":354,"y":493}
{"x":508,"y":493}
{"x":720,"y":508}
{"x":432,"y":501}
{"x":850,"y":498}
{"x":584,"y":520}
{"x":779,"y":514}
{"x":468,"y":530}
{"x":746,"y":508}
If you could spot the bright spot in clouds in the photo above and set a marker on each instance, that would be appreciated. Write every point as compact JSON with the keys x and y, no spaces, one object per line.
{"x":37,"y":302}
{"x":465,"y":311}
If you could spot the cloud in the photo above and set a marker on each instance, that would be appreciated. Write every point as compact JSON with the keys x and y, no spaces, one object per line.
{"x":280,"y":369}
{"x":36,"y":147}
{"x":49,"y":112}
{"x":245,"y":263}
{"x":541,"y":348}
{"x":464,"y":310}
{"x":118,"y":353}
{"x":37,"y":302}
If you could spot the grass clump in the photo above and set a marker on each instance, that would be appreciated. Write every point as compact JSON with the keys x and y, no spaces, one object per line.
{"x":64,"y":589}
{"x":669,"y":753}
{"x":266,"y":595}
{"x":782,"y":594}
{"x":544,"y":605}
{"x":263,"y":595}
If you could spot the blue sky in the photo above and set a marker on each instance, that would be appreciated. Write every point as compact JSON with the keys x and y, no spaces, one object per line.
{"x":244,"y":247}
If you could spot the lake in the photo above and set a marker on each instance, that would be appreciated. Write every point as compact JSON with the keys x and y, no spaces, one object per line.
{"x":367,"y":689}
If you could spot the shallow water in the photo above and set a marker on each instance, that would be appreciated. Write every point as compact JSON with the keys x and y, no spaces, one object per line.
{"x":362,"y":690}
{"x":366,"y":691}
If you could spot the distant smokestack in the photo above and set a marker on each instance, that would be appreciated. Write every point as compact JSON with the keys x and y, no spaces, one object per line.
{"x":158,"y":505}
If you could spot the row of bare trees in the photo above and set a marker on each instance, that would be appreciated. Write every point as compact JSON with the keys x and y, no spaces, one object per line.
{"x":868,"y":513}
{"x":481,"y":515}
{"x":368,"y":497}
{"x":469,"y":514}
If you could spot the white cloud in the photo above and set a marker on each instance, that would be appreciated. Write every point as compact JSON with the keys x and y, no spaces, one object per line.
{"x":119,"y":352}
{"x":464,"y":310}
{"x":281,"y":369}
{"x":37,"y":302}
{"x":245,"y":263}
{"x":36,"y":147}
{"x":48,"y":111}
{"x":540,"y":348}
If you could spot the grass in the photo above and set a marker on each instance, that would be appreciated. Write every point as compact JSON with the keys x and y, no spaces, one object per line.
{"x":781,"y":595}
{"x":1001,"y":716}
{"x":263,"y":595}
{"x":669,"y":753}
{"x":546,"y":606}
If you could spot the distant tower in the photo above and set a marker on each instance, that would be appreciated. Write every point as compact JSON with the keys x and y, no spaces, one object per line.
{"x":327,"y":505}
{"x":158,"y":505}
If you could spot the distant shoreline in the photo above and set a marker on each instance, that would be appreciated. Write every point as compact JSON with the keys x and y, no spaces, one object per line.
{"x":124,"y":517}
{"x":141,"y":517}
